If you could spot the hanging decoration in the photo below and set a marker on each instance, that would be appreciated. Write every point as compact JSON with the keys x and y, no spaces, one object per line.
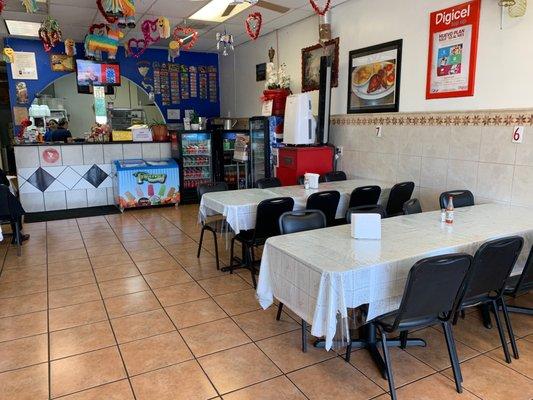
{"x":225,"y":40}
{"x":31,"y":6}
{"x":173,"y":50}
{"x":2,"y":5}
{"x":183,"y":38}
{"x":318,"y":10}
{"x":153,"y":31}
{"x":253,"y":25}
{"x":102,"y":38}
{"x":515,"y":8}
{"x":118,"y":11}
{"x":70,"y":47}
{"x":109,"y":19}
{"x":8,"y":55}
{"x":49,"y":33}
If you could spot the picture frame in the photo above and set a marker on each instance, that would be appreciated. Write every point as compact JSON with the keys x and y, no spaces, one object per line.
{"x":62,"y":63}
{"x":374,"y":78}
{"x":311,"y":64}
{"x":261,"y":72}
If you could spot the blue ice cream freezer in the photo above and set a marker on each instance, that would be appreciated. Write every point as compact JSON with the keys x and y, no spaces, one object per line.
{"x":143,"y":183}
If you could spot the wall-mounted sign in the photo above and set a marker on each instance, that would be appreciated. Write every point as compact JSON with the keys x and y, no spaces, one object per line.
{"x":261,"y":72}
{"x":24,"y":66}
{"x":99,"y":105}
{"x":453,"y":51}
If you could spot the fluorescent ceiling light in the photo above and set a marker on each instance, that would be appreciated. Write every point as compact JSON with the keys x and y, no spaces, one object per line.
{"x":23,"y":28}
{"x":213,"y":11}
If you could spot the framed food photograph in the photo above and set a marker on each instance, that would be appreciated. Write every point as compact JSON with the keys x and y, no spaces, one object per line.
{"x":311,"y":64}
{"x":374,"y":78}
{"x":453,"y":38}
{"x":62,"y":63}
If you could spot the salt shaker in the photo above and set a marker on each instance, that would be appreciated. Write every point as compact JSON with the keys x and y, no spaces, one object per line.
{"x":443,"y":215}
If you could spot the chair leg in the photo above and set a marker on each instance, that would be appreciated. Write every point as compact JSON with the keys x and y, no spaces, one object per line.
{"x":509,"y":329}
{"x":501,"y":332}
{"x":387,"y":359}
{"x":216,"y":249}
{"x":403,"y":339}
{"x":280,"y":308}
{"x":18,"y":238}
{"x":251,"y":265}
{"x":485,"y":314}
{"x":231,"y":255}
{"x":452,"y":352}
{"x":304,"y":336}
{"x":201,"y":241}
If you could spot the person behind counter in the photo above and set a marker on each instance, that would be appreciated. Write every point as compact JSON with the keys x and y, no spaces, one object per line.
{"x":50,"y":127}
{"x":61,"y":134}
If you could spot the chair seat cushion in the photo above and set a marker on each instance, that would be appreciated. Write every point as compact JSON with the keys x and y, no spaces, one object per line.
{"x":249,"y":238}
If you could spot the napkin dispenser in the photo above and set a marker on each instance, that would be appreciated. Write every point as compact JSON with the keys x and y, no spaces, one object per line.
{"x":366,"y":226}
{"x":312,"y":179}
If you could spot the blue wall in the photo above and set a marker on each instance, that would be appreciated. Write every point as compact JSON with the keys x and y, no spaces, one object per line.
{"x":128,"y":67}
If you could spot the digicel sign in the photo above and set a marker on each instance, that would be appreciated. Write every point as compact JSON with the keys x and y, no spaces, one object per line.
{"x":448,"y":16}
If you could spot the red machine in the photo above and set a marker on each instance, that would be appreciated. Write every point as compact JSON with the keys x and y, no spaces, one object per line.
{"x":296,"y":161}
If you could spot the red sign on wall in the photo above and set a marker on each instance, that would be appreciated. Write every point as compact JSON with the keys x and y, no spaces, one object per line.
{"x":453,"y":39}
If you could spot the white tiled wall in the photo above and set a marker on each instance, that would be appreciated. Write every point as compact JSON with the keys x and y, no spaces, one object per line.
{"x":482,"y":159}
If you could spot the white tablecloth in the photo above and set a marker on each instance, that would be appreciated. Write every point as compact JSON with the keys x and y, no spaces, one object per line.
{"x":239,"y":207}
{"x":320,"y":274}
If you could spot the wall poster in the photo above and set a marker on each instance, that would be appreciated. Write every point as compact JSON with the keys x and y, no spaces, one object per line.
{"x":24,"y":66}
{"x":452,"y":54}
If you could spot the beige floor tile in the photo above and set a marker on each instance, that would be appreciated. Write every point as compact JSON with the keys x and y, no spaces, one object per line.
{"x":23,"y":352}
{"x":119,"y":287}
{"x":274,"y":389}
{"x":286,"y":351}
{"x":238,"y":302}
{"x":77,"y":315}
{"x":67,"y":255}
{"x":22,"y":326}
{"x":334,"y":379}
{"x":214,"y":336}
{"x":200,"y":272}
{"x":73,"y":279}
{"x":116,"y":272}
{"x":195,"y":313}
{"x":120,"y":390}
{"x":139,"y":326}
{"x":146,"y":244}
{"x":163,"y":263}
{"x":131,"y":304}
{"x":73,"y":374}
{"x":262,"y":324}
{"x":471,"y":332}
{"x":491,"y":380}
{"x":188,"y":258}
{"x":236,"y":368}
{"x":29,"y":383}
{"x":184,"y":381}
{"x":167,"y":278}
{"x":154,"y":352}
{"x":524,"y":364}
{"x":23,"y":274}
{"x":81,"y":339}
{"x":70,"y":266}
{"x":29,"y":260}
{"x":65,"y":245}
{"x":23,"y":304}
{"x":178,"y":294}
{"x":111,"y":247}
{"x":20,"y":288}
{"x":110,"y":260}
{"x":74,"y":295}
{"x":224,"y":284}
{"x":148,"y":254}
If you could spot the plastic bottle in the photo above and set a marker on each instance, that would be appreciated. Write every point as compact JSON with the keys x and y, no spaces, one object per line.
{"x":449,"y":211}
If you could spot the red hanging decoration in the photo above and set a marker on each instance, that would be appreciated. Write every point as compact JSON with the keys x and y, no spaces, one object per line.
{"x":317,"y":8}
{"x":253,"y":25}
{"x":2,"y":5}
{"x":185,"y":32}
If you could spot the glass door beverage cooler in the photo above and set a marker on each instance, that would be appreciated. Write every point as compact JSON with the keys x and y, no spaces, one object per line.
{"x":229,"y":170}
{"x":193,"y":150}
{"x":265,"y":138}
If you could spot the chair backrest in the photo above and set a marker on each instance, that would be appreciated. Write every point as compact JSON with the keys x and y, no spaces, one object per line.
{"x":370,"y":209}
{"x":364,"y":196}
{"x":412,"y":207}
{"x":266,"y":183}
{"x":10,"y":207}
{"x":399,"y":194}
{"x":525,"y":282}
{"x":461,"y":198}
{"x":268,"y":214}
{"x":434,"y":289}
{"x":3,"y":178}
{"x":211,"y":187}
{"x":299,"y":221}
{"x":493,"y":263}
{"x":335,"y":176}
{"x":327,"y":202}
{"x":301,"y":179}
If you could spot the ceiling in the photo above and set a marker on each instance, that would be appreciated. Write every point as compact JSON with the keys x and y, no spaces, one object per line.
{"x":75,"y":20}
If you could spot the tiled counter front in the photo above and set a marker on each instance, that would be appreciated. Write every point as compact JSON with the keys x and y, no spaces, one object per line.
{"x":70,"y":176}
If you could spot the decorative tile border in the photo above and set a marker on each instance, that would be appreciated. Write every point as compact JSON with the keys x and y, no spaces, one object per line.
{"x":466,"y":118}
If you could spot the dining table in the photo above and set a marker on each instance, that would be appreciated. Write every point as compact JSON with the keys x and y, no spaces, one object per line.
{"x":239,"y":207}
{"x":321,"y":274}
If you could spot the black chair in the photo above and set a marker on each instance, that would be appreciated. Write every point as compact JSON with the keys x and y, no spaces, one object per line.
{"x":412,"y":207}
{"x":461,"y":198}
{"x":493,"y":263}
{"x":327,"y":202}
{"x":11,"y":212}
{"x":299,"y":221}
{"x":266,"y":183}
{"x":301,"y":180}
{"x":364,"y":196}
{"x":521,"y":284}
{"x":266,"y":225}
{"x":433,"y":292}
{"x":335,"y":176}
{"x":399,"y":194}
{"x":376,"y":209}
{"x":215,"y":226}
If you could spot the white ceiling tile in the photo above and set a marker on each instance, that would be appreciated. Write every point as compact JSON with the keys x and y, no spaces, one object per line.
{"x":176,"y":8}
{"x":79,"y":3}
{"x":72,"y":14}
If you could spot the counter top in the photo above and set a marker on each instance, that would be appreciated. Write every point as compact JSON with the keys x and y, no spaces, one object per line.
{"x":79,"y":143}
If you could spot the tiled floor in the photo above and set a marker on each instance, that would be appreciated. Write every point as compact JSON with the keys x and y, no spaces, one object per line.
{"x":119,"y":308}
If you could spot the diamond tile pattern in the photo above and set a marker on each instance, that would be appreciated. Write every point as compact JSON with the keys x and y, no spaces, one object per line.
{"x":95,"y":175}
{"x":41,"y":179}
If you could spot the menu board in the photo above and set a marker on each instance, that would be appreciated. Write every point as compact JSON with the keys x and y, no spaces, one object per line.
{"x":157,"y":80}
{"x":203,"y":82}
{"x":193,"y":75}
{"x":174,"y":83}
{"x":165,"y":85}
{"x":185,"y":88}
{"x":213,"y":93}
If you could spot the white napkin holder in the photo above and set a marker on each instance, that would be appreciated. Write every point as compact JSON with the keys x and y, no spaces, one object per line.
{"x":366,"y":226}
{"x":312,"y":179}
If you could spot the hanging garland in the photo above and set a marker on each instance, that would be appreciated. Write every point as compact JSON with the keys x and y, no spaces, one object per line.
{"x":159,"y":26}
{"x":317,"y":9}
{"x":253,"y":25}
{"x":185,"y":32}
{"x":49,"y":33}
